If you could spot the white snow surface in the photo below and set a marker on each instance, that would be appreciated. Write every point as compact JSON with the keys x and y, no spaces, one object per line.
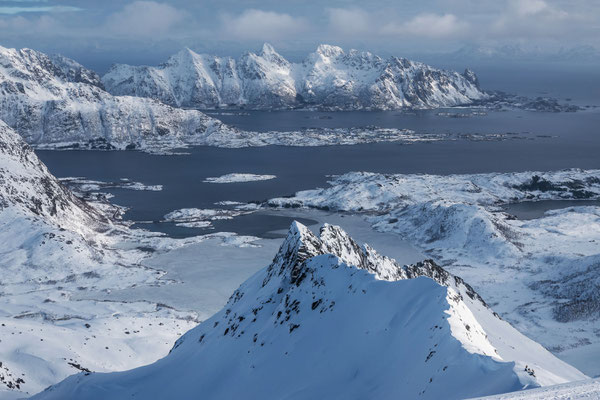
{"x":581,"y":390}
{"x":332,"y":319}
{"x":328,"y":78}
{"x":56,"y":248}
{"x":90,"y":185}
{"x":542,"y":275}
{"x":201,"y":218}
{"x":239,"y":177}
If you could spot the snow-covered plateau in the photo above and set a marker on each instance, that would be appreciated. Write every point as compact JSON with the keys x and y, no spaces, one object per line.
{"x":308,"y":326}
{"x":328,"y":78}
{"x":542,"y":275}
{"x":57,"y":248}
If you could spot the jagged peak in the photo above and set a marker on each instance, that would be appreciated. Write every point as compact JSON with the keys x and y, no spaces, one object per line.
{"x":267,"y":49}
{"x":470,"y":76}
{"x":328,"y":50}
{"x":299,"y":245}
{"x":269,"y":53}
{"x":184,"y":55}
{"x":337,"y":242}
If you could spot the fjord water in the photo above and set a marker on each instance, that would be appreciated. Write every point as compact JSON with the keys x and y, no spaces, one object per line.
{"x":536,"y":141}
{"x":540,"y":141}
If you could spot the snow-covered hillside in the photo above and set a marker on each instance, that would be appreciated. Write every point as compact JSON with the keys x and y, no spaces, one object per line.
{"x":56,"y":251}
{"x":332,"y":319}
{"x":588,"y":389}
{"x":542,"y":274}
{"x":53,"y":100}
{"x":327,"y":78}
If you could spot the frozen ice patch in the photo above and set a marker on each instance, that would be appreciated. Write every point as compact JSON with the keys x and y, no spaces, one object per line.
{"x":200,"y":218}
{"x":237,"y":178}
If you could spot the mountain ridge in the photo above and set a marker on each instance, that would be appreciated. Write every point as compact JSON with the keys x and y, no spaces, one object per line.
{"x":330,"y":318}
{"x":327,"y":78}
{"x":54,"y":101}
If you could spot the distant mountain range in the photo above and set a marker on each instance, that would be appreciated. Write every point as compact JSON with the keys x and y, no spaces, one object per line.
{"x":332,"y":319}
{"x":328,"y":78}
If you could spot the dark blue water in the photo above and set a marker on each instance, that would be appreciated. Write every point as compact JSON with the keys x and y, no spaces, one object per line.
{"x":527,"y":210}
{"x":547,"y":141}
{"x":550,"y":141}
{"x":421,"y":121}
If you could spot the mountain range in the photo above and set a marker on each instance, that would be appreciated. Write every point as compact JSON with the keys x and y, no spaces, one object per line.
{"x":52,"y":100}
{"x":328,"y":78}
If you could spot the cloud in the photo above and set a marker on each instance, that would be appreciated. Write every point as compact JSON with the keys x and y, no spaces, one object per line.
{"x":43,"y":24}
{"x":13,"y":10}
{"x":428,"y":26}
{"x":531,"y":18}
{"x":528,"y":7}
{"x":144,"y":19}
{"x":255,"y":24}
{"x":349,"y":21}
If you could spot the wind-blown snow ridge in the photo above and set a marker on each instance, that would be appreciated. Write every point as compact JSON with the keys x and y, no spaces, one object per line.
{"x":580,"y":390}
{"x":328,"y":78}
{"x":332,"y":319}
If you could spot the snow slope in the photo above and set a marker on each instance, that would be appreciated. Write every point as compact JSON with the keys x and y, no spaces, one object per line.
{"x":327,"y":78}
{"x":332,"y":319}
{"x":56,"y":249}
{"x":587,"y":389}
{"x":542,"y":275}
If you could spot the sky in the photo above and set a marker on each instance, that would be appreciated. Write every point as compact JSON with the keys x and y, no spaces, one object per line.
{"x":99,"y":33}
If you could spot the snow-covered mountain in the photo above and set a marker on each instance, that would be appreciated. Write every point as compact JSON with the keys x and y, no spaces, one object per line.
{"x":27,"y":186}
{"x":56,"y":249}
{"x":54,"y":100}
{"x":327,"y":78}
{"x":541,"y":274}
{"x":332,"y":319}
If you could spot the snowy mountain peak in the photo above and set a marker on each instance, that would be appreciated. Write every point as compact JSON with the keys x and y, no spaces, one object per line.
{"x":299,"y":245}
{"x":327,"y":50}
{"x":269,"y":53}
{"x":183,"y":56}
{"x":268,"y":49}
{"x":312,"y":325}
{"x":471,"y":77}
{"x":27,"y":186}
